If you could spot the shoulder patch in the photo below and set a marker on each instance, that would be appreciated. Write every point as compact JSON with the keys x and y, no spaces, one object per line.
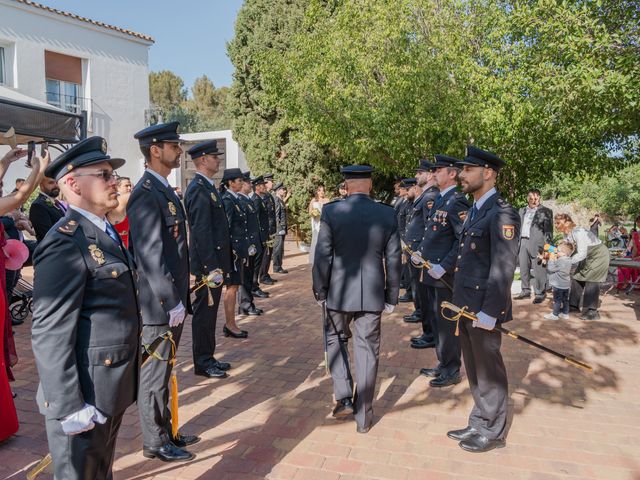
{"x":68,"y":228}
{"x":508,"y":231}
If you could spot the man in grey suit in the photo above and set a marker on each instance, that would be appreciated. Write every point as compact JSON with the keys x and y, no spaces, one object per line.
{"x":86,"y":321}
{"x":537,"y":229}
{"x":158,"y":237}
{"x":356,"y":275}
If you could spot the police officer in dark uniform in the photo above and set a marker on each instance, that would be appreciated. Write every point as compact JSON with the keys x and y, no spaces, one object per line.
{"x":86,"y":320}
{"x":486,"y":263}
{"x":403,"y":207}
{"x":237,"y":221}
{"x":270,"y":203}
{"x":209,"y":252}
{"x":440,"y":247}
{"x":263,"y":222}
{"x":158,"y":238}
{"x":254,"y":249}
{"x":356,"y":275}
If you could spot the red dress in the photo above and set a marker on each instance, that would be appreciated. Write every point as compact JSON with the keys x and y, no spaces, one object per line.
{"x":123,"y":230}
{"x":8,"y":416}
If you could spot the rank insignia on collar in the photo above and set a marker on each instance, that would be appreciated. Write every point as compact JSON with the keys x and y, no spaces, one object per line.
{"x":172,"y":208}
{"x":96,"y":254}
{"x":213,"y":197}
{"x":508,"y":231}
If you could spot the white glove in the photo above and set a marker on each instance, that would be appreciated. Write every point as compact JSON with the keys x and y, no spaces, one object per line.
{"x":389,"y":308}
{"x":436,"y":271}
{"x":485,"y":321}
{"x":176,"y":315}
{"x":282,"y":232}
{"x":417,"y":259}
{"x":82,"y":420}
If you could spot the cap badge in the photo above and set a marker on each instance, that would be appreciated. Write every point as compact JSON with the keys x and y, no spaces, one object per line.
{"x":96,"y":254}
{"x":103,"y":147}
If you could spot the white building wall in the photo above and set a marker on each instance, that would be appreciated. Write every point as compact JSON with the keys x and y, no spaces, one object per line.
{"x":115,"y":74}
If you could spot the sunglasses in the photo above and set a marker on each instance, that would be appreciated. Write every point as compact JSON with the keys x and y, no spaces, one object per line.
{"x":106,"y":175}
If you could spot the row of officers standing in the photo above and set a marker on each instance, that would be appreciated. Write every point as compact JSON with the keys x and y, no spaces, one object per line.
{"x":108,"y":319}
{"x":455,"y":251}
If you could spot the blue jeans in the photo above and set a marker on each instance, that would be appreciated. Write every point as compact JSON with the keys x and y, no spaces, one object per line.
{"x":560,"y":301}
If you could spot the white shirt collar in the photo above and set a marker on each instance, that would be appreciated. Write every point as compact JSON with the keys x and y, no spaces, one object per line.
{"x":163,"y":180}
{"x":210,"y":180}
{"x":447,"y":190}
{"x":101,"y":223}
{"x":235,"y":195}
{"x":478,"y":204}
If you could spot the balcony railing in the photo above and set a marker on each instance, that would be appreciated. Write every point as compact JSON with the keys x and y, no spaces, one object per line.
{"x":70,"y":103}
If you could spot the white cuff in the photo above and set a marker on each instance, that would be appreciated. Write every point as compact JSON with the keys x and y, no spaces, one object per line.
{"x":176,"y":315}
{"x":485,"y":321}
{"x":389,"y":308}
{"x":82,"y":420}
{"x":436,"y":271}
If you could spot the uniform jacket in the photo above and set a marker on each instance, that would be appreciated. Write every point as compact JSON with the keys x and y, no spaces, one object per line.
{"x":43,"y":214}
{"x":541,"y":231}
{"x":158,"y":239}
{"x":253,"y":223}
{"x":270,"y":204}
{"x":237,"y":221}
{"x":442,"y":234}
{"x":281,"y":215}
{"x":487,"y":259}
{"x":357,"y":262}
{"x":86,"y":320}
{"x":263,"y":216}
{"x":417,"y":216}
{"x":401,"y":215}
{"x":209,"y":241}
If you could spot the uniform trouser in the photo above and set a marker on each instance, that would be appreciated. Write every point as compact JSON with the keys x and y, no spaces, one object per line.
{"x":246,"y":286}
{"x":444,"y":333}
{"x":421,"y":300}
{"x":203,"y":326}
{"x":366,"y":335}
{"x":487,"y":379}
{"x":588,"y":292}
{"x":266,"y":262}
{"x":278,"y":251}
{"x":528,"y":261}
{"x":153,"y":393}
{"x":86,"y":455}
{"x":405,"y":279}
{"x":257,"y":267}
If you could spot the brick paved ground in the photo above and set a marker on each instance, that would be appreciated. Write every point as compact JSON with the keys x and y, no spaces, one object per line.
{"x":270,"y":419}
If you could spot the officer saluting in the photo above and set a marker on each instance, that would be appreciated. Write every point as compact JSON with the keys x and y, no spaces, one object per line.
{"x":210,"y":251}
{"x":86,"y":321}
{"x":356,"y":275}
{"x":484,"y":273}
{"x":158,"y":238}
{"x":440,"y":247}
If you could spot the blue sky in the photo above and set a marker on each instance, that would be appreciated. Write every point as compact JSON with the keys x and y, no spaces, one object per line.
{"x":190,"y":35}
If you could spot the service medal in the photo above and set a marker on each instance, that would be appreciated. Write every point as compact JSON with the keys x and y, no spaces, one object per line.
{"x":96,"y":254}
{"x":172,"y":208}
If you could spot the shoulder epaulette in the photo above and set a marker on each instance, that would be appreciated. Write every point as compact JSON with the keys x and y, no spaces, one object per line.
{"x":146,"y":184}
{"x":68,"y":228}
{"x":199,"y":180}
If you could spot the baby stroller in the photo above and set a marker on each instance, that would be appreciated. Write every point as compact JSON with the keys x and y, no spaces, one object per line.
{"x":21,"y":304}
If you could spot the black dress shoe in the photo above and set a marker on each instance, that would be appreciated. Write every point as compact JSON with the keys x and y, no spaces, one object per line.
{"x":411,"y":318}
{"x":268,"y":281}
{"x":445,"y":380}
{"x":462,"y":434}
{"x":478,"y":443}
{"x":224,"y":366}
{"x":590,"y":315}
{"x":427,"y":337}
{"x":252,"y":311}
{"x":231,"y":333}
{"x":423,"y":344}
{"x":280,"y":270}
{"x":343,"y":408}
{"x":168,"y":453}
{"x":521,"y":295}
{"x":405,"y":298}
{"x":538,"y":299}
{"x":429,"y":372}
{"x":210,"y":372}
{"x":363,"y":429}
{"x":182,"y":441}
{"x":260,"y":294}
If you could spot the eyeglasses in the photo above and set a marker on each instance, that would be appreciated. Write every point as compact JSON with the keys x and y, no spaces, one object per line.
{"x":106,"y":175}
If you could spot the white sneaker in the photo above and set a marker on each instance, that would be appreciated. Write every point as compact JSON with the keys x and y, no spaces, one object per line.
{"x":564,"y":316}
{"x":551,"y":316}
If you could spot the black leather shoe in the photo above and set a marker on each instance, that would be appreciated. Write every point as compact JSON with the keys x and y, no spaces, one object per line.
{"x":168,"y":453}
{"x":230,"y":333}
{"x":260,"y":294}
{"x":252,"y":311}
{"x":445,"y":380}
{"x":405,"y":298}
{"x":479,"y":444}
{"x":268,"y":281}
{"x":538,"y":299}
{"x":280,"y":270}
{"x":411,"y":318}
{"x":429,"y":372}
{"x":224,"y":366}
{"x":210,"y":372}
{"x":590,"y":315}
{"x":343,"y":408}
{"x":182,"y":441}
{"x":462,"y":434}
{"x":423,"y":344}
{"x":427,"y":337}
{"x":360,"y":429}
{"x":521,"y":295}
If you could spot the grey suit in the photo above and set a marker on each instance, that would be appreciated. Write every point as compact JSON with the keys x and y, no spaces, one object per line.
{"x":85,"y":335}
{"x":158,"y":238}
{"x":356,"y":271}
{"x":541,"y":232}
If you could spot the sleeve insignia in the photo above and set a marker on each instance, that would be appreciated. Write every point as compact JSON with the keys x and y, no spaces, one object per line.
{"x":508,"y":231}
{"x":430,"y":204}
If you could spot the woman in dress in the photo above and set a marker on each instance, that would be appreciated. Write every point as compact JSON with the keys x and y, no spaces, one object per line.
{"x":315,"y":209}
{"x":626,"y":275}
{"x":591,"y":261}
{"x":8,"y":415}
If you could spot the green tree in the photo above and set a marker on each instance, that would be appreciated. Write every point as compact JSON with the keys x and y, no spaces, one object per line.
{"x":166,"y":90}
